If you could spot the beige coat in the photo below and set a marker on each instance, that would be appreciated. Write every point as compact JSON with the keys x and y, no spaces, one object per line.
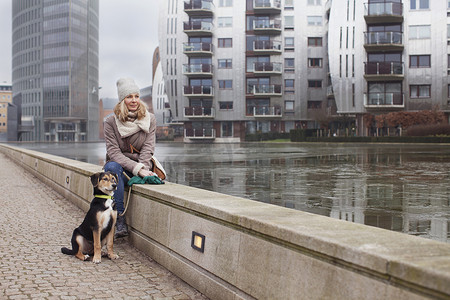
{"x":118,"y":148}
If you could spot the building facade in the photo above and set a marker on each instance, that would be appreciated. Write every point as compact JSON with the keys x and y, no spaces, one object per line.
{"x":5,"y":100}
{"x":55,"y":68}
{"x":233,"y":68}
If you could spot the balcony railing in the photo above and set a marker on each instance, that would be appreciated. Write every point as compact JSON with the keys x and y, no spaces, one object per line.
{"x":267,"y":111}
{"x":383,"y":100}
{"x":197,"y":69}
{"x":198,"y":7}
{"x":198,"y":90}
{"x":383,"y":37}
{"x":202,"y":133}
{"x":267,"y":46}
{"x":198,"y":27}
{"x":268,"y":68}
{"x":267,"y":6}
{"x":266,"y":90}
{"x":199,"y":112}
{"x":383,"y":68}
{"x":267,"y":26}
{"x":197,"y":48}
{"x":384,"y":8}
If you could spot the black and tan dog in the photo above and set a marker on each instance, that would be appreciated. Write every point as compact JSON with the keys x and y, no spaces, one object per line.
{"x":98,"y":226}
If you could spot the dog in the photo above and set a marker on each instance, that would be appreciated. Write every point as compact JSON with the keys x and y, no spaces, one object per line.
{"x":97,"y":228}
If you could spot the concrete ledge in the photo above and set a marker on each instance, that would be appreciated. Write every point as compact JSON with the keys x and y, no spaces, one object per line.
{"x":258,"y":250}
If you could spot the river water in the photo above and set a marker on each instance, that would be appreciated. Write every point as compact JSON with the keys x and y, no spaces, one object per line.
{"x":400,"y":187}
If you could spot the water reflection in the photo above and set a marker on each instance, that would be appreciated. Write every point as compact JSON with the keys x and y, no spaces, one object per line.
{"x":403,"y":188}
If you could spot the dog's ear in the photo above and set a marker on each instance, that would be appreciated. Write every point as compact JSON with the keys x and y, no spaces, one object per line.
{"x":95,"y":179}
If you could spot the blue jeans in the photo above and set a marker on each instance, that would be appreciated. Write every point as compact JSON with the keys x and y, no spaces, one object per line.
{"x":117,"y":169}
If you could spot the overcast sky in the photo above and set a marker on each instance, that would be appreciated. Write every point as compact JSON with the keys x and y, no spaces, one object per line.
{"x":128,"y":38}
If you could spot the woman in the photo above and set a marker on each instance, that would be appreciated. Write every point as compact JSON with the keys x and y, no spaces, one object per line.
{"x":130,"y":142}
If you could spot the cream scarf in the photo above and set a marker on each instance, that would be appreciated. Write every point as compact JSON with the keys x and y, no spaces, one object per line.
{"x":131,"y":127}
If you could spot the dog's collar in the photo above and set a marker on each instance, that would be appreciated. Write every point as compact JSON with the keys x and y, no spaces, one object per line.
{"x":103,"y":196}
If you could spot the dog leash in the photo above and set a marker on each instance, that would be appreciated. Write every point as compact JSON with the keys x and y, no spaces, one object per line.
{"x":128,"y":198}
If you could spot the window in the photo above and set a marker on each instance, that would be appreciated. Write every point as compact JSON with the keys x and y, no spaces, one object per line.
{"x":224,"y":63}
{"x":227,"y":129}
{"x":448,"y":31}
{"x":289,"y":42}
{"x":314,"y":20}
{"x":314,"y":62}
{"x":420,"y":91}
{"x":289,"y":84}
{"x":314,"y":2}
{"x":289,"y":105}
{"x":315,"y":84}
{"x":225,"y":3}
{"x":419,"y":32}
{"x":289,"y":64}
{"x":225,"y":84}
{"x":225,"y":105}
{"x":289,"y":4}
{"x":225,"y":42}
{"x":288,"y":21}
{"x":448,"y":90}
{"x":225,"y":22}
{"x":314,"y":42}
{"x":419,"y":61}
{"x":419,"y":4}
{"x":314,"y":104}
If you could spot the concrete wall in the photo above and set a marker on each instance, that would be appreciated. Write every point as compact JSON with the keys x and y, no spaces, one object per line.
{"x":257,"y":250}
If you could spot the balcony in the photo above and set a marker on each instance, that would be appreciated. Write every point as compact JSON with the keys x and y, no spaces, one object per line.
{"x":267,"y":47}
{"x":197,"y":70}
{"x":200,"y":134}
{"x":198,"y":28}
{"x":381,"y":71}
{"x":267,"y":68}
{"x":266,"y":90}
{"x":199,"y":7}
{"x":199,"y":112}
{"x":386,"y":12}
{"x":267,"y":112}
{"x":198,"y":49}
{"x":272,"y":26}
{"x":383,"y":100}
{"x":383,"y":41}
{"x":198,"y":91}
{"x":267,"y":6}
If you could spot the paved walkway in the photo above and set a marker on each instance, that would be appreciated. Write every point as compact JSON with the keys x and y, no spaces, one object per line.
{"x":35,"y":222}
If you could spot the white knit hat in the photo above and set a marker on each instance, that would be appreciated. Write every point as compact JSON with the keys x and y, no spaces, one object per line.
{"x":125,"y":87}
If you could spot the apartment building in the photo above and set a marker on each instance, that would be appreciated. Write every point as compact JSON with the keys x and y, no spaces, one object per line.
{"x":233,"y":68}
{"x":5,"y":99}
{"x":55,"y":69}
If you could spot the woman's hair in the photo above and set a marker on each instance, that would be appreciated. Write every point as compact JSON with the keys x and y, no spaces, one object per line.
{"x":121,"y":111}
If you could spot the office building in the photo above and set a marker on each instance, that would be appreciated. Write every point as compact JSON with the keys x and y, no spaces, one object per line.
{"x":5,"y":100}
{"x":233,"y":68}
{"x":55,"y":69}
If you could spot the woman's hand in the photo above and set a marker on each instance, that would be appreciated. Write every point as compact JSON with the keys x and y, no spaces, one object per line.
{"x":143,"y":173}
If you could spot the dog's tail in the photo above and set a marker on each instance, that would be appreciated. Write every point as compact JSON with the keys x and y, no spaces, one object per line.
{"x":68,"y":251}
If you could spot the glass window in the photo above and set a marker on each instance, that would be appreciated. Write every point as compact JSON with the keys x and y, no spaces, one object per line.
{"x":314,"y":20}
{"x":225,"y":3}
{"x":288,"y":21}
{"x":289,"y":63}
{"x":289,"y":42}
{"x":225,"y":22}
{"x":420,"y":91}
{"x":314,"y":62}
{"x":419,"y":61}
{"x":225,"y":42}
{"x":419,"y":4}
{"x":289,"y":4}
{"x":419,"y":32}
{"x":315,"y":84}
{"x":314,"y":2}
{"x":225,"y":63}
{"x":289,"y":84}
{"x":227,"y":105}
{"x":289,"y":105}
{"x":225,"y":84}
{"x":314,"y":42}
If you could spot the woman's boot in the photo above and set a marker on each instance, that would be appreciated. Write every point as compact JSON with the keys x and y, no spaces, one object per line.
{"x":121,"y":227}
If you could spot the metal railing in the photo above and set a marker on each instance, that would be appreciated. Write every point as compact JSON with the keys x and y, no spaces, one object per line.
{"x":267,"y":111}
{"x":201,"y":90}
{"x":198,"y":5}
{"x":267,"y":46}
{"x":197,"y":47}
{"x":267,"y":67}
{"x":197,"y":68}
{"x":199,"y":112}
{"x":384,"y":8}
{"x":202,"y":133}
{"x":383,"y":68}
{"x":267,"y":24}
{"x":383,"y":99}
{"x":266,"y":89}
{"x":266,"y":4}
{"x":383,"y":37}
{"x":197,"y":25}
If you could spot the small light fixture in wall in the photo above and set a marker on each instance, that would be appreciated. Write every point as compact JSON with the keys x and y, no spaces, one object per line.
{"x":198,"y":241}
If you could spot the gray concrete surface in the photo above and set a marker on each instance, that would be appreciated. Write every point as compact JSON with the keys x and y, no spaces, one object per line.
{"x":35,"y":222}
